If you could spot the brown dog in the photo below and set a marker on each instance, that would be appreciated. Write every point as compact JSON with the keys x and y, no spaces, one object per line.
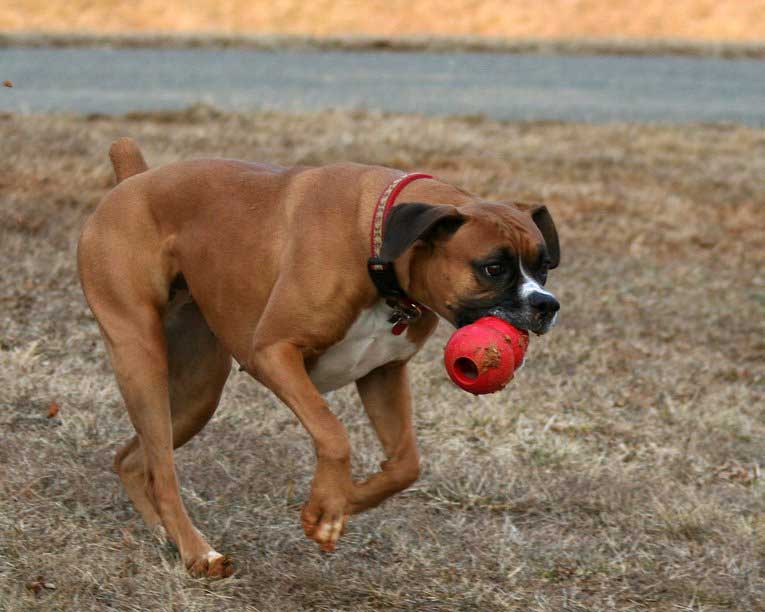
{"x":189,"y":264}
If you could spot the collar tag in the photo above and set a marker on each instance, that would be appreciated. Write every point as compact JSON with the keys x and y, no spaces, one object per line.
{"x":404,"y":312}
{"x":399,"y":328}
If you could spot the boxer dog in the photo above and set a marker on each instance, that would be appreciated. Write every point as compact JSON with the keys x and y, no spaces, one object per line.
{"x":311,"y":278}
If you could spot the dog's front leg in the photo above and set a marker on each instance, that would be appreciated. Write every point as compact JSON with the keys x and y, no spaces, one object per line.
{"x":387,"y":401}
{"x":281,"y":368}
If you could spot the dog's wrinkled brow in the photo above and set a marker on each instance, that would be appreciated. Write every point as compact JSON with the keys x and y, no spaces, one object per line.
{"x":500,"y":254}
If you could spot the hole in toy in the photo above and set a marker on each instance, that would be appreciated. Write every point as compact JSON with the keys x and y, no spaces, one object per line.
{"x":466,"y":369}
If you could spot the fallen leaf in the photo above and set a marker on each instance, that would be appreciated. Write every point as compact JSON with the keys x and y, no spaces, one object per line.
{"x":39,"y":584}
{"x":735,"y":472}
{"x":53,"y":409}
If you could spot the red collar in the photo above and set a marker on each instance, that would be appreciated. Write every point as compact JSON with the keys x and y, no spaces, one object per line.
{"x":382,"y":272}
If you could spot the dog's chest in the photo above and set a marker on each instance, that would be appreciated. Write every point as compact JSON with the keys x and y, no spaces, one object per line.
{"x":368,"y":344}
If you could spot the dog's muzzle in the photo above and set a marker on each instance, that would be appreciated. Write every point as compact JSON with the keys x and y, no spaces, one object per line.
{"x":538,"y":313}
{"x":545,"y":309}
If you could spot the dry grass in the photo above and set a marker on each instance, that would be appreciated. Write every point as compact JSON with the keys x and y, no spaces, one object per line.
{"x":619,"y":471}
{"x":734,"y":20}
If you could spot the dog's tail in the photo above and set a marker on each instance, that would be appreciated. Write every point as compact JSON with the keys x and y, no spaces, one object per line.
{"x":126,"y":158}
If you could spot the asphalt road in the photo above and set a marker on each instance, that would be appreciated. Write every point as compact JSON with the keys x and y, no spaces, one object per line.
{"x":503,"y":86}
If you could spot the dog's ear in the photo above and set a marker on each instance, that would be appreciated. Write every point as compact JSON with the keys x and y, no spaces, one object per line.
{"x":412,"y":221}
{"x":541,"y":216}
{"x":543,"y":220}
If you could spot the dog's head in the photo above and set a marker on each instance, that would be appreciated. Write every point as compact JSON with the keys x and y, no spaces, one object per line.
{"x":476,"y":260}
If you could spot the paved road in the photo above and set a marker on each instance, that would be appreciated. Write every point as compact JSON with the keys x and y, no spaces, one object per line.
{"x":504,"y":86}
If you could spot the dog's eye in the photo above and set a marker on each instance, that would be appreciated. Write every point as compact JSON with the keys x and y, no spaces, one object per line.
{"x":494,"y":270}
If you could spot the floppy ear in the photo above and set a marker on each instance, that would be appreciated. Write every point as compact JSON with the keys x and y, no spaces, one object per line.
{"x":542,"y":219}
{"x":541,"y":216}
{"x":408,"y":222}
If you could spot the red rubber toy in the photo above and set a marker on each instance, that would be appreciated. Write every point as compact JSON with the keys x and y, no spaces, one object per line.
{"x":483,"y":356}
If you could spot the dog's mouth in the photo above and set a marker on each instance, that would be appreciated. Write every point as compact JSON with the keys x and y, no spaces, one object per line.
{"x":525,"y":319}
{"x":522,"y":317}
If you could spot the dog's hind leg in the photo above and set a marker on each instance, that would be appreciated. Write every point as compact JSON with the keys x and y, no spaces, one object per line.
{"x":198,"y":366}
{"x":198,"y":369}
{"x":125,"y":279}
{"x":128,"y":463}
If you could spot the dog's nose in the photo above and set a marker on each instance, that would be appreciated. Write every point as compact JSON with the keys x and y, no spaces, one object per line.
{"x":544,"y":303}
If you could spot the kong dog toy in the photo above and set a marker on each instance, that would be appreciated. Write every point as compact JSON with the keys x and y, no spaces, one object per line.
{"x":482,"y":357}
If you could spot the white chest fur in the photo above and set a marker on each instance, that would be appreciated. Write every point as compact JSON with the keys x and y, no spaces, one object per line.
{"x":368,"y":344}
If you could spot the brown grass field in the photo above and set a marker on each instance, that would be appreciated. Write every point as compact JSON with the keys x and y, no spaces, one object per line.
{"x":619,"y":471}
{"x":730,"y":20}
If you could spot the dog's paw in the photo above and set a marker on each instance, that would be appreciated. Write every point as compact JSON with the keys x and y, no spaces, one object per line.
{"x":323,"y":527}
{"x":213,"y":565}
